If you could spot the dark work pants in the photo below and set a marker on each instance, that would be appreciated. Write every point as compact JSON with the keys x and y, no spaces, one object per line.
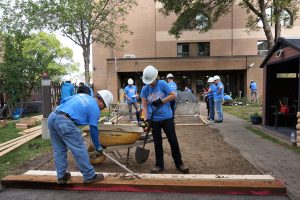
{"x":172,"y":105}
{"x":169,"y":129}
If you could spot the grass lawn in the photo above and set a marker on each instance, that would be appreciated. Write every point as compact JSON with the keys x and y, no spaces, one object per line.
{"x":11,"y":161}
{"x":244,"y":111}
{"x":36,"y":147}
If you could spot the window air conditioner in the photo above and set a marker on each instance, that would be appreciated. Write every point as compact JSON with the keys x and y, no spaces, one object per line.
{"x":129,"y":55}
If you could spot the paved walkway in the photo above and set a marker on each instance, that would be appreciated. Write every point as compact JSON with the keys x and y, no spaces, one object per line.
{"x":268,"y":157}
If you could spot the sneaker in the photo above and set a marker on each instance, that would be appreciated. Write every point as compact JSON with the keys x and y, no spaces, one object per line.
{"x":97,"y":177}
{"x":64,"y":179}
{"x":156,"y":170}
{"x":211,"y":121}
{"x":183,"y":169}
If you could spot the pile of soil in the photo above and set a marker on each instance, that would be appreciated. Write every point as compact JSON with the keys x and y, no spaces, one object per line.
{"x":202,"y":149}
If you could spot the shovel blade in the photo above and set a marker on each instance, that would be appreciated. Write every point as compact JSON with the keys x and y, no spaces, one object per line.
{"x":141,"y":154}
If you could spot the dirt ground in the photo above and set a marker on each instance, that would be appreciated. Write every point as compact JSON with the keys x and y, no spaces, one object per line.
{"x":202,"y":149}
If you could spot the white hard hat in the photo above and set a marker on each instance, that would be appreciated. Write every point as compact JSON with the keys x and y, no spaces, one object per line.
{"x":106,"y":96}
{"x":210,"y":80}
{"x":149,"y":74}
{"x":170,"y":76}
{"x":130,"y":81}
{"x":216,"y":77}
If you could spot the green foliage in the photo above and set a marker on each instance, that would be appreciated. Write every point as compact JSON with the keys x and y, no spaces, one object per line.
{"x":25,"y":58}
{"x":199,"y":14}
{"x":83,"y":21}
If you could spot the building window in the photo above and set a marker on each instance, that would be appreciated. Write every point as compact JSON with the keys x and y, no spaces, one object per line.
{"x":183,"y":50}
{"x":203,"y":49}
{"x":262,"y":47}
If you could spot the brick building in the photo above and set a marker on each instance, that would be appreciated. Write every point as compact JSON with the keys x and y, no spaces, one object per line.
{"x":226,"y":50}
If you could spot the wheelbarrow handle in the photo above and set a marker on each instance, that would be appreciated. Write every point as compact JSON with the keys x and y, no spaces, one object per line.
{"x":115,"y":161}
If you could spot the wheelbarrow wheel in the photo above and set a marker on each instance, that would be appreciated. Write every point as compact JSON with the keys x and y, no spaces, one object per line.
{"x":98,"y":159}
{"x":91,"y":148}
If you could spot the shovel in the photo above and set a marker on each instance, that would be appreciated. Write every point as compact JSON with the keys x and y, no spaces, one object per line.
{"x":142,"y":154}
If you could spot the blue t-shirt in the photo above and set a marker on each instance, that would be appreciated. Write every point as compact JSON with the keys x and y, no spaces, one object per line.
{"x":160,"y":90}
{"x":173,"y":86}
{"x":67,"y":90}
{"x":130,"y":91}
{"x":253,"y":86}
{"x":227,"y":97}
{"x":216,"y":93}
{"x":212,"y":89}
{"x":82,"y":108}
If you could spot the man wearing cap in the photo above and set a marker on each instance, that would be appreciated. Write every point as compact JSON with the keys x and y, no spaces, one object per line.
{"x":77,"y":110}
{"x":210,"y":98}
{"x":218,"y":98}
{"x":172,"y":84}
{"x":156,"y":95}
{"x":253,"y":88}
{"x":131,"y":98}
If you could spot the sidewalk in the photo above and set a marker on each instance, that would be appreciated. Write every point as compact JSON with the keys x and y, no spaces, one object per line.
{"x":268,"y":157}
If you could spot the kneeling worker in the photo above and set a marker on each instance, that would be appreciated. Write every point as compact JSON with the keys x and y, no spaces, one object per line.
{"x":80,"y":109}
{"x":156,"y":96}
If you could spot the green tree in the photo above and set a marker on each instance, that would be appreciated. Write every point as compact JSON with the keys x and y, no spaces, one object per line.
{"x":83,"y":21}
{"x":202,"y":14}
{"x":25,"y":58}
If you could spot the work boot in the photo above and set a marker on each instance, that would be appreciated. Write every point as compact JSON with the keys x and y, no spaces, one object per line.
{"x":183,"y":169}
{"x":97,"y":177}
{"x":64,"y":179}
{"x":156,"y":170}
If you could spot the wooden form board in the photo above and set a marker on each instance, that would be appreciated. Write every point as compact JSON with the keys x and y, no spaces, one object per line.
{"x":223,"y":177}
{"x":31,"y":129}
{"x":20,"y":143}
{"x":16,"y":141}
{"x":121,"y":183}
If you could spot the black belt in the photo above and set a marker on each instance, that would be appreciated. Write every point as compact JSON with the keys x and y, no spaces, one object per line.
{"x":63,"y":114}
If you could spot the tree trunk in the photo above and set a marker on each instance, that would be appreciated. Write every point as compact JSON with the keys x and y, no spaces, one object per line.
{"x":86,"y":57}
{"x":266,"y":25}
{"x":277,"y":14}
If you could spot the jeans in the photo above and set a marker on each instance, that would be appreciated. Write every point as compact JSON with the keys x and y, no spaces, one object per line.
{"x":65,"y":135}
{"x":254,"y":96}
{"x":130,"y":109}
{"x":218,"y":104}
{"x":211,"y":108}
{"x":169,"y":129}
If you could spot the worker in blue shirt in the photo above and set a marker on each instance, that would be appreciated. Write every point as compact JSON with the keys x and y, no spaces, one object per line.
{"x":156,"y":96}
{"x":228,"y":101}
{"x":186,"y":89}
{"x":218,"y":98}
{"x":172,"y":84}
{"x":79,"y":109}
{"x":211,"y":101}
{"x":131,"y":98}
{"x":67,"y":89}
{"x":253,"y":87}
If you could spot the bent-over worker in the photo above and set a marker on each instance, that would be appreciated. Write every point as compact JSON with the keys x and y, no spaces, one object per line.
{"x":80,"y":109}
{"x":156,"y":96}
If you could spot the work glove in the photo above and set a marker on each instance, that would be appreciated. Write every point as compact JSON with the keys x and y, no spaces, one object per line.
{"x":157,"y":102}
{"x":147,"y":128}
{"x":99,"y":150}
